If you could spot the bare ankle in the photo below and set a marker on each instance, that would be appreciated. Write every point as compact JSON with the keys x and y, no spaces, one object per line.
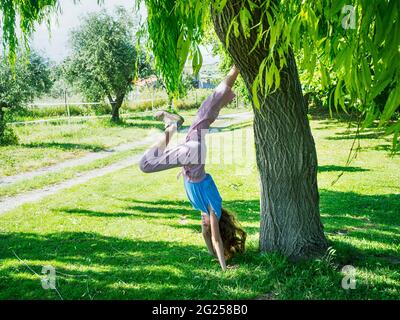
{"x":172,"y":128}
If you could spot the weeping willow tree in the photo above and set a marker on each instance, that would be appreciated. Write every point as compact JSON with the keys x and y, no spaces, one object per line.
{"x":27,"y":14}
{"x":358,"y":43}
{"x":173,"y":36}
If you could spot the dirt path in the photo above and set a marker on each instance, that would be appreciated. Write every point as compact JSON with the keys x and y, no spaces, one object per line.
{"x":9,"y":203}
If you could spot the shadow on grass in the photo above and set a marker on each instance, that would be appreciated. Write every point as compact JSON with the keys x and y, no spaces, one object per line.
{"x":92,"y":213}
{"x":93,"y":265}
{"x":145,"y":122}
{"x":394,"y":150}
{"x":90,"y":265}
{"x":150,"y":212}
{"x":165,"y":211}
{"x":64,"y":146}
{"x":362,"y":228}
{"x":347,"y":215}
{"x":161,"y":212}
{"x":235,"y":126}
{"x":381,"y":209}
{"x":246,"y":210}
{"x":369,"y":217}
{"x":352,"y":136}
{"x":330,"y":168}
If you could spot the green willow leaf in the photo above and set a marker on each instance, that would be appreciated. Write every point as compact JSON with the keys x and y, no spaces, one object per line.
{"x":254,"y":91}
{"x":393,"y":103}
{"x":245,"y":20}
{"x":197,"y":61}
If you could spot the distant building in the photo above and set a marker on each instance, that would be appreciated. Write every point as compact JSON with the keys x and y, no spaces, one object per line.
{"x":207,"y":84}
{"x":151,"y":81}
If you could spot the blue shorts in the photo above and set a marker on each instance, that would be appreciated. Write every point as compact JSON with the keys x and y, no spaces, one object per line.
{"x":204,"y":194}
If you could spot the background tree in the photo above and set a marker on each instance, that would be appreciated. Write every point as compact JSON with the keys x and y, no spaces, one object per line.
{"x":62,"y":88}
{"x":28,"y":78}
{"x":104,"y":60}
{"x":358,"y":43}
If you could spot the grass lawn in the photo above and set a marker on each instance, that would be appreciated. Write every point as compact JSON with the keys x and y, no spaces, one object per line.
{"x":130,"y":235}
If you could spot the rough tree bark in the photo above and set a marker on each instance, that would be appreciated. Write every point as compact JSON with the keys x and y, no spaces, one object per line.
{"x":285,"y":151}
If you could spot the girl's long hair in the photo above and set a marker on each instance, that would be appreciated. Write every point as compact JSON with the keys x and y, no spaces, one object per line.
{"x":232,"y":234}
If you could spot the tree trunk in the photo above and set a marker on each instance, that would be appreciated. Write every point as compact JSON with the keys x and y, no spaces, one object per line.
{"x":115,"y":112}
{"x":2,"y":124}
{"x":285,"y":151}
{"x":115,"y":106}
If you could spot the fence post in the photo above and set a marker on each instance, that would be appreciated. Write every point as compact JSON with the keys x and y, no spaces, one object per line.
{"x":152,"y":97}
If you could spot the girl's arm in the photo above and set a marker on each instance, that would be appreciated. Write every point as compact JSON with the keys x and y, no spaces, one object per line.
{"x":216,"y":240}
{"x":206,"y":231}
{"x":207,"y":240}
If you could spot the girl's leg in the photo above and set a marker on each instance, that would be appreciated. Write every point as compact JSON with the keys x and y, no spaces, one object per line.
{"x":210,"y":108}
{"x":155,"y":159}
{"x":162,"y":144}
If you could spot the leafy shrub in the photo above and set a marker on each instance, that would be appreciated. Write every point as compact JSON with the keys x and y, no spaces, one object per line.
{"x":8,"y":137}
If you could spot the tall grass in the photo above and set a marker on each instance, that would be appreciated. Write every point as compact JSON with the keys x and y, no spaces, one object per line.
{"x":61,"y":111}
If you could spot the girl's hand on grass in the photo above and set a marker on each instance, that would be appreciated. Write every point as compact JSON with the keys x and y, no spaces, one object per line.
{"x":231,"y":267}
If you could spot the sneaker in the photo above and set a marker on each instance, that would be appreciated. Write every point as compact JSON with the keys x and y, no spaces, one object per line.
{"x":169,"y":118}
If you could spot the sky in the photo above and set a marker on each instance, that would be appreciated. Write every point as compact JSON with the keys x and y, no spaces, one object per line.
{"x":54,"y":44}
